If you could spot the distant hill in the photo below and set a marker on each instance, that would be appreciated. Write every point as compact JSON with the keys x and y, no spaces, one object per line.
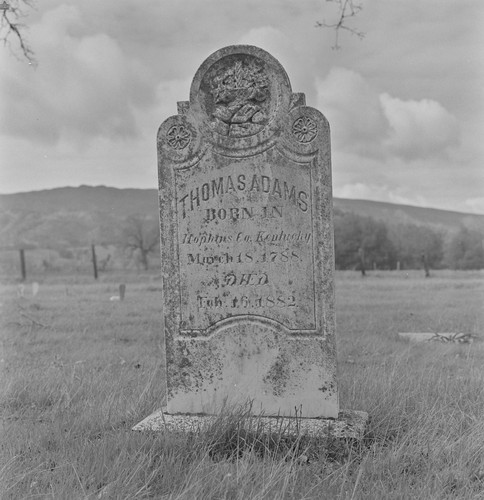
{"x":391,"y":213}
{"x":78,"y":216}
{"x":71,"y":217}
{"x":109,"y":200}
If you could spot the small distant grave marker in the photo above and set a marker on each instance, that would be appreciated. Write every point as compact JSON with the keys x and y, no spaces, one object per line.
{"x":247,"y":248}
{"x":122,"y":291}
{"x":35,"y":288}
{"x":456,"y":338}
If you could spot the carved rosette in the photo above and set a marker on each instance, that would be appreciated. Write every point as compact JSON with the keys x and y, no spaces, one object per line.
{"x":178,"y":140}
{"x":178,"y":137}
{"x":305,"y":129}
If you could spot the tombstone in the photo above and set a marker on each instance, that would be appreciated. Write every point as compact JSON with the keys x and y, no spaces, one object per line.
{"x":122,"y":291}
{"x":247,"y":247}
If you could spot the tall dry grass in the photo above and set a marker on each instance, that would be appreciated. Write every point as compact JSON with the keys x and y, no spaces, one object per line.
{"x":78,"y":371}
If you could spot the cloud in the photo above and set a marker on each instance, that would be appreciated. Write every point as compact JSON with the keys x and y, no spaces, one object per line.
{"x":109,"y":73}
{"x":475,"y":205}
{"x":272,"y":40}
{"x":378,"y":125}
{"x":353,"y":109}
{"x":85,"y":87}
{"x":419,"y":129}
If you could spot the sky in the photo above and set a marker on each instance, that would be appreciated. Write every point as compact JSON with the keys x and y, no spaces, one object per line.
{"x":405,"y":103}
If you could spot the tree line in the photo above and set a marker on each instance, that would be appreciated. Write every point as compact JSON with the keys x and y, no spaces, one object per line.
{"x":362,"y":242}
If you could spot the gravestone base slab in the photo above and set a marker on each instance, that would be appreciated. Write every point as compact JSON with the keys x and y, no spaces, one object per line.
{"x":350,"y":424}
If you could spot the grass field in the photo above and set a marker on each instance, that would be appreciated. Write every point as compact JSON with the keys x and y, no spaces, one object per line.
{"x":78,"y":371}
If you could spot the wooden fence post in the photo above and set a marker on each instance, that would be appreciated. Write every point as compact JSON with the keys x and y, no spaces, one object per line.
{"x":94,"y":261}
{"x":22,"y":264}
{"x":361,"y":254}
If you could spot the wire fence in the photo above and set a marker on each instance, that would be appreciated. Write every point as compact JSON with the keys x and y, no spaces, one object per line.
{"x":96,"y":261}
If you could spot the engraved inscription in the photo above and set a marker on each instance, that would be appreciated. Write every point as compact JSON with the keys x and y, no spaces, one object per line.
{"x":279,"y":189}
{"x":255,"y":303}
{"x":304,"y":129}
{"x":246,"y":279}
{"x":245,"y":241}
{"x":245,"y":257}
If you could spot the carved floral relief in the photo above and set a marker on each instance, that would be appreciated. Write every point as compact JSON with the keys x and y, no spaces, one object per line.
{"x":304,"y":129}
{"x":238,"y":93}
{"x":178,"y":137}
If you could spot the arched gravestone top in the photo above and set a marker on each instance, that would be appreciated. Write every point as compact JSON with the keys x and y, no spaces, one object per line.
{"x":241,"y":95}
{"x":247,"y":243}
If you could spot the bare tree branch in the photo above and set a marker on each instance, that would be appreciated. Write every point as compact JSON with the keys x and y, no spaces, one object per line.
{"x":141,"y":235}
{"x":12,"y":29}
{"x":346,"y":10}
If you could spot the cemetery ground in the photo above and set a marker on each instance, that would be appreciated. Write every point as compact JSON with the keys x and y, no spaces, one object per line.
{"x":79,"y":370}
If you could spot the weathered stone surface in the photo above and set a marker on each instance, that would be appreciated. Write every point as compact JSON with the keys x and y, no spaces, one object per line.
{"x":348,"y":425}
{"x":247,"y":243}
